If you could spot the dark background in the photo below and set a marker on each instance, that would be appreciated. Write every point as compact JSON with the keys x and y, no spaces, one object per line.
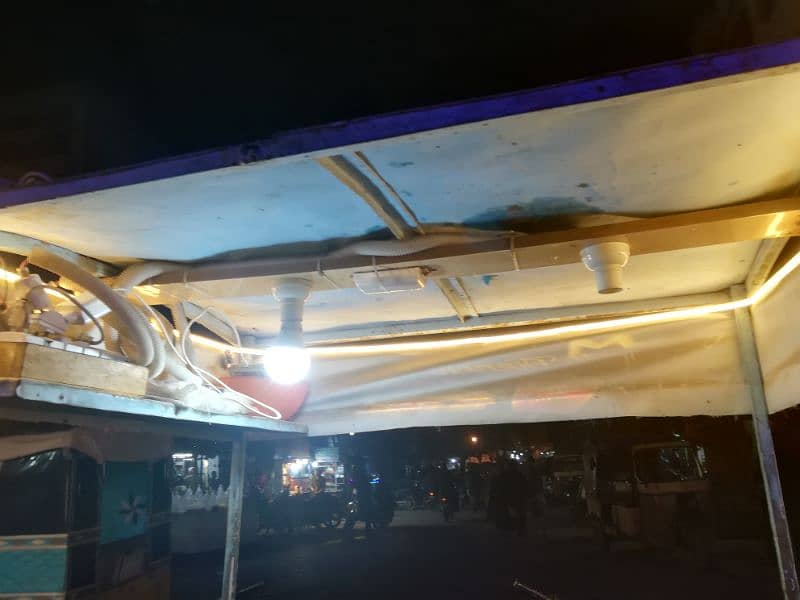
{"x":87,"y":87}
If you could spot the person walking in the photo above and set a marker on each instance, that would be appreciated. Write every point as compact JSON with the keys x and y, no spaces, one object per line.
{"x":516,"y":494}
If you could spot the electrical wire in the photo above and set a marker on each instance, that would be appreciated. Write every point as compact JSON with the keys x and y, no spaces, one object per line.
{"x":82,"y":308}
{"x":204,"y":375}
{"x":189,"y":331}
{"x":157,"y":318}
{"x":277,"y":414}
{"x":168,"y":340}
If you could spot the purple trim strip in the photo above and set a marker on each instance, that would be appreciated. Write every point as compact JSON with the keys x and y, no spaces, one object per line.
{"x":391,"y":125}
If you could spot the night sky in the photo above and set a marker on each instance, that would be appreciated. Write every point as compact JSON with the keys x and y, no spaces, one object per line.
{"x":133,"y":81}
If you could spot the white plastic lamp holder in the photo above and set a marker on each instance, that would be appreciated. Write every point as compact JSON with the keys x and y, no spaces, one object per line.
{"x":287,"y":361}
{"x":606,"y":259}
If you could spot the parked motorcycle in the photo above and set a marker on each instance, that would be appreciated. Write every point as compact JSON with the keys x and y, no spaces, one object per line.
{"x":321,"y":509}
{"x":285,"y":512}
{"x":374,"y":505}
{"x":449,"y":502}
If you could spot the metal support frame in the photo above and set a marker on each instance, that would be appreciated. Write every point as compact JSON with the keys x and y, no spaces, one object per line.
{"x":364,"y":188}
{"x":458,"y":297}
{"x":350,"y":175}
{"x":130,"y":411}
{"x":779,"y":524}
{"x":233,"y":529}
{"x":210,"y":322}
{"x":768,"y":253}
{"x":651,"y":235}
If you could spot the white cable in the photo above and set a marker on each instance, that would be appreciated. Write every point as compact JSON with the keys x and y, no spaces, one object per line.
{"x":415,"y":245}
{"x":165,"y":332}
{"x":276,"y":412}
{"x":205,"y":375}
{"x":188,"y":329}
{"x":133,"y":324}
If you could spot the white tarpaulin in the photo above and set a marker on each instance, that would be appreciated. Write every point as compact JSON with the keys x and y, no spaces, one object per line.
{"x":776,"y":322}
{"x":674,"y":369}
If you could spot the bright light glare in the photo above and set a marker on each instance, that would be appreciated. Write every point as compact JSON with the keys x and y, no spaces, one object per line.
{"x":9,"y":276}
{"x":286,"y":365}
{"x":14,"y":277}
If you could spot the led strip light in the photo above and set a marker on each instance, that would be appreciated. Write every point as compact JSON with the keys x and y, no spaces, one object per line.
{"x":499,"y":338}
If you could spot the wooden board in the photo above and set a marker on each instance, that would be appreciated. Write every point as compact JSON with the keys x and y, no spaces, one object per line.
{"x":52,"y":365}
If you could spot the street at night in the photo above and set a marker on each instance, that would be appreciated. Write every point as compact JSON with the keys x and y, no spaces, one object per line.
{"x":420,"y":556}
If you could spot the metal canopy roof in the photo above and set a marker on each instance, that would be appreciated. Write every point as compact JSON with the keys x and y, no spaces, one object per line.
{"x":676,"y":137}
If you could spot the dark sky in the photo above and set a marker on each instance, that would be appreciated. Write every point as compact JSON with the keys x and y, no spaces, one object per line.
{"x":141,"y":80}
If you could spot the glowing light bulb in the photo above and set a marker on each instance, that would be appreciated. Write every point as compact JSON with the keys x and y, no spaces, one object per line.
{"x":286,"y":365}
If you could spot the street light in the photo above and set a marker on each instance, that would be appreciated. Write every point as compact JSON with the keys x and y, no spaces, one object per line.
{"x":474,"y":439}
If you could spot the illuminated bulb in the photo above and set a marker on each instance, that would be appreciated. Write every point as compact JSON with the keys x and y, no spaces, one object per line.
{"x":286,"y":365}
{"x":287,"y":362}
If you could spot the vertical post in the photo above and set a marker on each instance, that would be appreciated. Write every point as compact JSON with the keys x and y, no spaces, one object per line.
{"x":748,"y":352}
{"x":234,"y":526}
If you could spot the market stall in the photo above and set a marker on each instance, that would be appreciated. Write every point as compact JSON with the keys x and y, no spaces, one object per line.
{"x":588,"y":250}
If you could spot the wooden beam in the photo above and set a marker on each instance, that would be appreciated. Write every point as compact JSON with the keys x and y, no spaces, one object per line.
{"x":754,"y":221}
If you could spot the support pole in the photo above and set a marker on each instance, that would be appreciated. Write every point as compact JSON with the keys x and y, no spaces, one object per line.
{"x":748,"y":352}
{"x":234,"y":526}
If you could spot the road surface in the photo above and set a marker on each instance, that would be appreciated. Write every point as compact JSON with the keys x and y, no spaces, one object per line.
{"x":421,"y":557}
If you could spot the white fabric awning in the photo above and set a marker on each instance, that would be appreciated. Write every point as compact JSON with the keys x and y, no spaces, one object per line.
{"x":683,"y":368}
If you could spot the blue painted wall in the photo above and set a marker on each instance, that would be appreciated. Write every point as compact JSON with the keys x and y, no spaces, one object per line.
{"x":39,"y":570}
{"x":125,"y":505}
